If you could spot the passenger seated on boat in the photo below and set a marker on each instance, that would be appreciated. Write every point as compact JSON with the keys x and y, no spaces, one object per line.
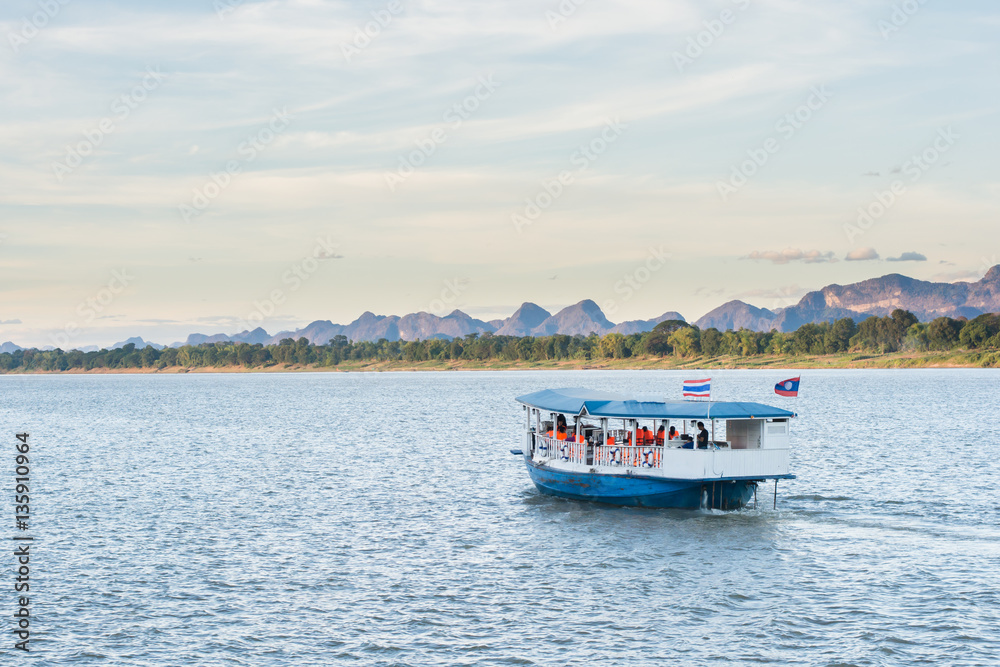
{"x":645,"y":437}
{"x":673,"y":434}
{"x":660,"y":435}
{"x":561,"y":432}
{"x":702,"y":436}
{"x":688,"y":441}
{"x":611,"y":440}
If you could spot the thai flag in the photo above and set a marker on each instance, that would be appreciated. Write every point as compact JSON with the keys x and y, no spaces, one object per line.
{"x":698,"y":388}
{"x":788,"y":387}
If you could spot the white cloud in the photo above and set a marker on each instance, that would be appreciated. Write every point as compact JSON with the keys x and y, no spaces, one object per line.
{"x":908,"y":257}
{"x":862,"y":255}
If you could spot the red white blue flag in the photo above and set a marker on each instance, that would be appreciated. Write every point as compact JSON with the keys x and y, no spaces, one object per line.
{"x":788,"y":387}
{"x":698,"y":388}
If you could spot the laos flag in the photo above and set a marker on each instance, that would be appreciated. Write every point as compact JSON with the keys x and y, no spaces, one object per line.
{"x":788,"y":387}
{"x":698,"y":388}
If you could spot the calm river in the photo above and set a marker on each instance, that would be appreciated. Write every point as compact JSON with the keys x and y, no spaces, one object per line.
{"x":379,"y":519}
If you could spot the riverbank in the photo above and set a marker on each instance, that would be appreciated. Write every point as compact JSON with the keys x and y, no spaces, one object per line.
{"x":949,"y":359}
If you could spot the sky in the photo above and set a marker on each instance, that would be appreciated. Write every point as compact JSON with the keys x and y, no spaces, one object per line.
{"x":205,"y":165}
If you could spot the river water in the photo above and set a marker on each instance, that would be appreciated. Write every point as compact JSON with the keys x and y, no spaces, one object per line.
{"x":379,"y":519}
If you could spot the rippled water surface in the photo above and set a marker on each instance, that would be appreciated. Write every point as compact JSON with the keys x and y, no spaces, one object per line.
{"x":379,"y":519}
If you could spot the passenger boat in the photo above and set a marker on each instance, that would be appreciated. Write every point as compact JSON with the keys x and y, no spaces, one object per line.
{"x":603,"y":456}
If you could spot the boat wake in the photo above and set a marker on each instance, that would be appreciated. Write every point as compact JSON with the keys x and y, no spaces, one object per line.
{"x":815,"y":496}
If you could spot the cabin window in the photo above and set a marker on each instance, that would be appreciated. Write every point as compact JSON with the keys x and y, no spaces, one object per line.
{"x":744,"y":433}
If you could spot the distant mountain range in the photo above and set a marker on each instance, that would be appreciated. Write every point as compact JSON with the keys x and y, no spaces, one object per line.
{"x":878,"y":296}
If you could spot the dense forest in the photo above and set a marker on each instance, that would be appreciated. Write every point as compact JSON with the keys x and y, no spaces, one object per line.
{"x":900,"y":331}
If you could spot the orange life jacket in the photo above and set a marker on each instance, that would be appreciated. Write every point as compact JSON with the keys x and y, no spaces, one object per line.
{"x":561,"y":435}
{"x":611,"y":440}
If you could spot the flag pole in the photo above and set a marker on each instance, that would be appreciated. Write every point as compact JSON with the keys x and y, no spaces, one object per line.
{"x":712,"y":421}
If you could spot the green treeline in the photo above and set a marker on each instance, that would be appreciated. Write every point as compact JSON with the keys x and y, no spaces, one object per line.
{"x":897,"y":332}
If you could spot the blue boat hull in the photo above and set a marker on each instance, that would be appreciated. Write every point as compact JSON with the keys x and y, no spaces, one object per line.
{"x":636,"y":491}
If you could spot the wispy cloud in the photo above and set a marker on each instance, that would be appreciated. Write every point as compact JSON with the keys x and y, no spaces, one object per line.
{"x":783,"y":292}
{"x":957,"y":276}
{"x":792,"y":255}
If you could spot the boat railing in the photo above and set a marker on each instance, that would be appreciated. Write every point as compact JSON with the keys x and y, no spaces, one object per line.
{"x":565,"y":450}
{"x":623,"y":437}
{"x":698,"y":463}
{"x":649,"y":456}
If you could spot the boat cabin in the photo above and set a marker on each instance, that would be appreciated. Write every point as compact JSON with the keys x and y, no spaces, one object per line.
{"x":591,"y":428}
